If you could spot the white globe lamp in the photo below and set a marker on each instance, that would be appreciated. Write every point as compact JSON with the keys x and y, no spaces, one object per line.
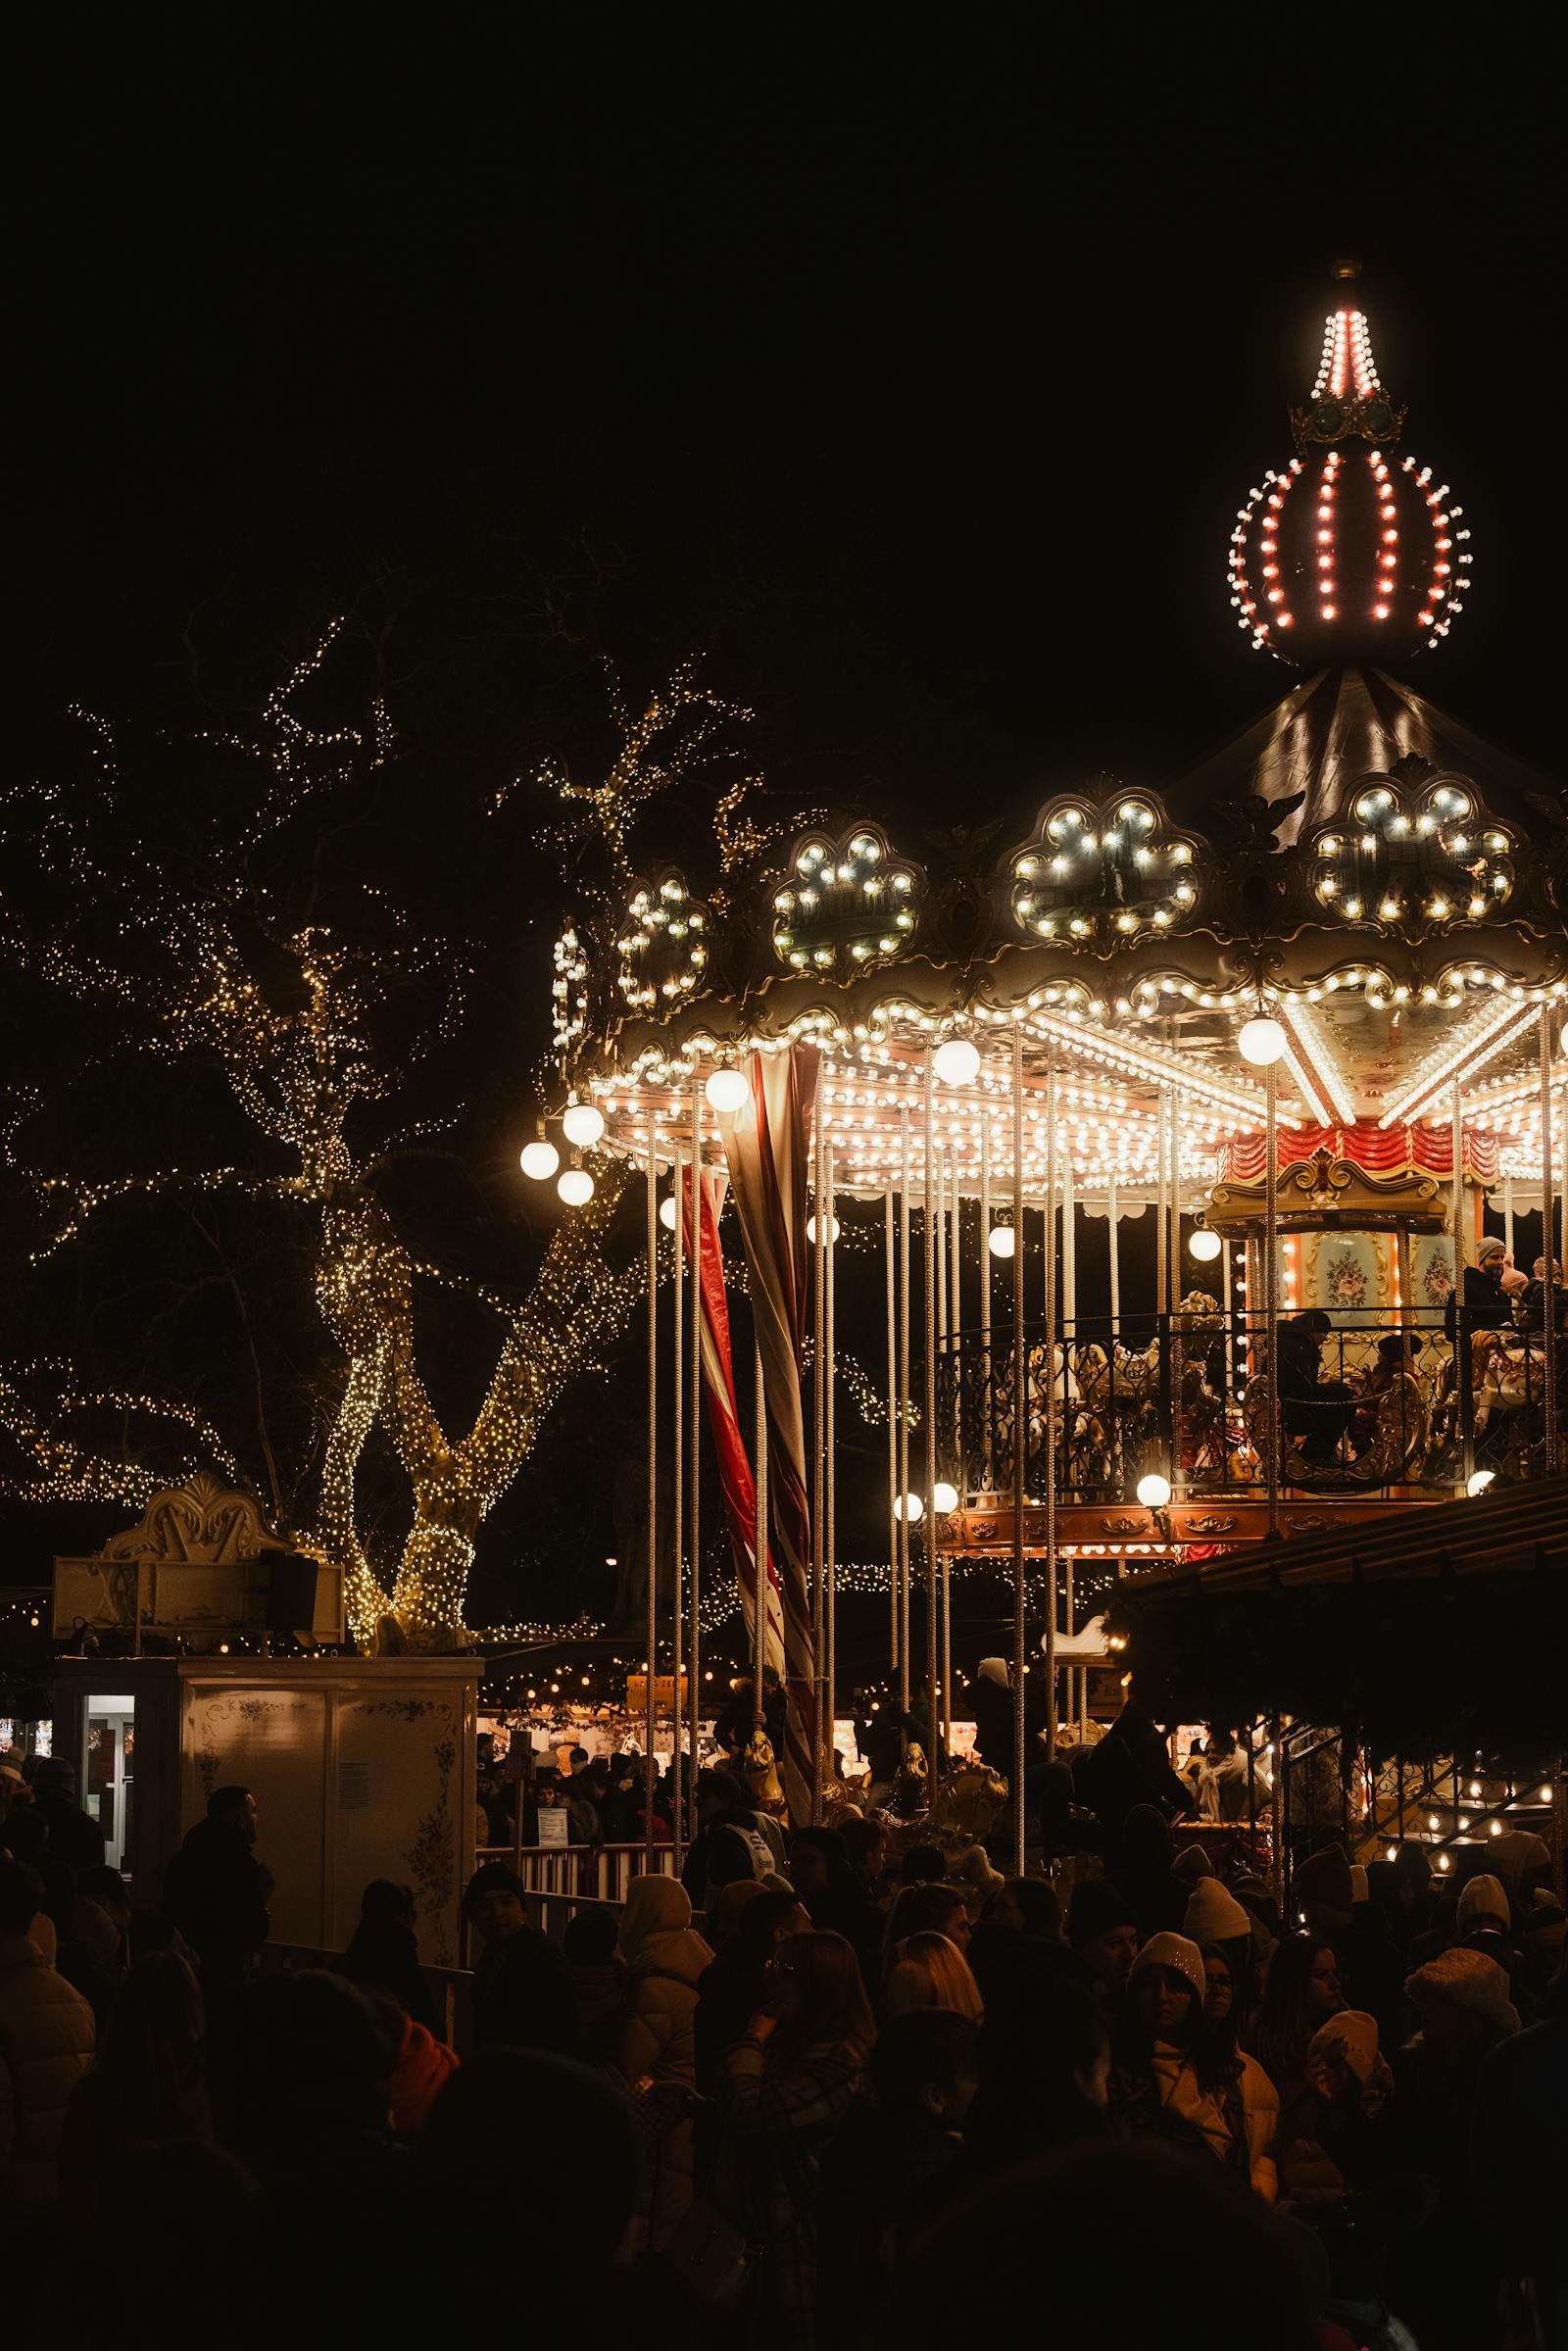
{"x":945,"y":1497}
{"x":1204,"y":1246}
{"x":1003,"y":1241}
{"x":666,"y":1212}
{"x":957,"y":1062}
{"x":811,"y":1228}
{"x":582,"y":1123}
{"x":540,"y":1160}
{"x":909,"y":1506}
{"x":1262,"y":1042}
{"x":728,"y":1090}
{"x":1153,"y":1490}
{"x":576,"y":1187}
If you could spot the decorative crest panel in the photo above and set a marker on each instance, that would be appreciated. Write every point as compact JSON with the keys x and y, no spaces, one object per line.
{"x":663,"y":945}
{"x":1102,"y":871}
{"x":1413,"y":847}
{"x":847,"y":903}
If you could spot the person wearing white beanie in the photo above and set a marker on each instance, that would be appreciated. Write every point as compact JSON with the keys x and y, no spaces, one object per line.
{"x":1168,"y":2060}
{"x":1214,"y":1916}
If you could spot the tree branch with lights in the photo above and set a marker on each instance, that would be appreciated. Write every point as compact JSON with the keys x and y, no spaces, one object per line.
{"x":313,"y":1005}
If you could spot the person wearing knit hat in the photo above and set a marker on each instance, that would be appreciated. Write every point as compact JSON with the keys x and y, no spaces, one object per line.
{"x":1214,"y":1916}
{"x":1102,"y":1929}
{"x":1169,"y":2061}
{"x":1192,"y":1864}
{"x":1459,"y":1993}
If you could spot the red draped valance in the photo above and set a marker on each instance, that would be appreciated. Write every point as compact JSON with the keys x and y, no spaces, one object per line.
{"x":1377,"y":1151}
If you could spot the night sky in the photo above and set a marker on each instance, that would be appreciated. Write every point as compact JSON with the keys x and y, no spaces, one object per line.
{"x":914,"y":367}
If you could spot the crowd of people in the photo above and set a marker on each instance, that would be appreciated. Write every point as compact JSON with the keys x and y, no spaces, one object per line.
{"x":841,"y":2087}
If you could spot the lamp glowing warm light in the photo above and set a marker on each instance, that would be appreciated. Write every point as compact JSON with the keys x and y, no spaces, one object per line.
{"x":1002,"y":1241}
{"x":833,"y":1229}
{"x":540,"y":1160}
{"x":1153,"y":1490}
{"x":582,"y":1123}
{"x":957,"y":1062}
{"x":666,"y":1212}
{"x":909,"y":1506}
{"x":1262,"y":1042}
{"x":576,"y":1187}
{"x":1204,"y":1246}
{"x":944,"y":1495}
{"x":728,"y":1090}
{"x":1478,"y":1480}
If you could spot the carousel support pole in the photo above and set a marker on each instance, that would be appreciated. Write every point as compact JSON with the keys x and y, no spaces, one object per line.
{"x":1161,"y":1214}
{"x":1114,"y":1247}
{"x":1549,"y":1250}
{"x":653,"y":1494}
{"x":1020,"y":1441}
{"x":1271,"y":1295}
{"x":1507,"y":1215}
{"x":1077,"y":1680}
{"x":762,"y":1591}
{"x":677,"y":1499}
{"x":904,"y":1412}
{"x":1050,"y":1413}
{"x":928,"y":1235}
{"x":1461,"y":1340}
{"x":891,"y":1284}
{"x":819,"y":1460}
{"x":948,"y":1302}
{"x":694,"y":1433}
{"x":987,"y":1398}
{"x":830,"y":1451}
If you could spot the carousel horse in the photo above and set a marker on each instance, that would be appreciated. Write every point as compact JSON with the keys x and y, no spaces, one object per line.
{"x":912,"y":1783}
{"x":760,"y":1773}
{"x":967,"y":1802}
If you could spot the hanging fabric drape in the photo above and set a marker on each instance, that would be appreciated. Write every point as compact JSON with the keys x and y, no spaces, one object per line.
{"x":737,"y":1483}
{"x":765,"y":1152}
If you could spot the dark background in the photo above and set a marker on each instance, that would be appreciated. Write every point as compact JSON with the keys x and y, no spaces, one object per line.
{"x":914,"y":368}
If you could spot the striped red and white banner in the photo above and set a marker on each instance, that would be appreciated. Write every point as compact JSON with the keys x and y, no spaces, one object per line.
{"x":736,"y":1479}
{"x":765,"y":1152}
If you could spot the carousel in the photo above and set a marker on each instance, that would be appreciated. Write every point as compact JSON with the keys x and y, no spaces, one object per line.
{"x":1205,"y":1142}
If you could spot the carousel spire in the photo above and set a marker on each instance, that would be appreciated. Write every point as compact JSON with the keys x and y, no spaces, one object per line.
{"x":1350,"y":552}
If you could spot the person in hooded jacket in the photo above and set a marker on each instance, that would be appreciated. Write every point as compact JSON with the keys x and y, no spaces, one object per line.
{"x":1177,"y":2073}
{"x":1442,"y":2277}
{"x":732,"y":1990}
{"x":666,"y":1960}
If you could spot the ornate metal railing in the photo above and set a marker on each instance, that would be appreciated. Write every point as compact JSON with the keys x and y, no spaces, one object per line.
{"x":1381,"y":1407}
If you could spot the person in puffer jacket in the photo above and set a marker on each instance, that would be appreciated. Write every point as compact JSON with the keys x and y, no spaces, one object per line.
{"x":658,"y":2054}
{"x":1175,"y":2075}
{"x":46,"y":2046}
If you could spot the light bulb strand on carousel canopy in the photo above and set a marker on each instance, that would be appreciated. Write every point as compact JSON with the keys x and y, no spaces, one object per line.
{"x":1478,"y":1042}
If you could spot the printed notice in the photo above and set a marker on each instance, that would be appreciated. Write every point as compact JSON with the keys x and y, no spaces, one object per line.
{"x":352,"y":1787}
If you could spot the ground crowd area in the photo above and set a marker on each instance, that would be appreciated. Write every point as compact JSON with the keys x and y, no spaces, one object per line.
{"x":835,"y":2087}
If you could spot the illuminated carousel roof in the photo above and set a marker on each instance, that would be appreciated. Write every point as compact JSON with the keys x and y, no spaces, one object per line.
{"x":1354,"y":863}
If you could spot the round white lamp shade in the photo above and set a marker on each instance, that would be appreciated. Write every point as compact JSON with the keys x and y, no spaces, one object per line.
{"x":1153,"y":1490}
{"x":582,"y":1123}
{"x":728,"y":1090}
{"x":957,"y":1062}
{"x":576,"y":1187}
{"x":1262,"y":1042}
{"x":540,"y":1160}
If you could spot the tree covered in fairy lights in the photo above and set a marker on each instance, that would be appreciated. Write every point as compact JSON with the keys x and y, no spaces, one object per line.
{"x":240,"y":1026}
